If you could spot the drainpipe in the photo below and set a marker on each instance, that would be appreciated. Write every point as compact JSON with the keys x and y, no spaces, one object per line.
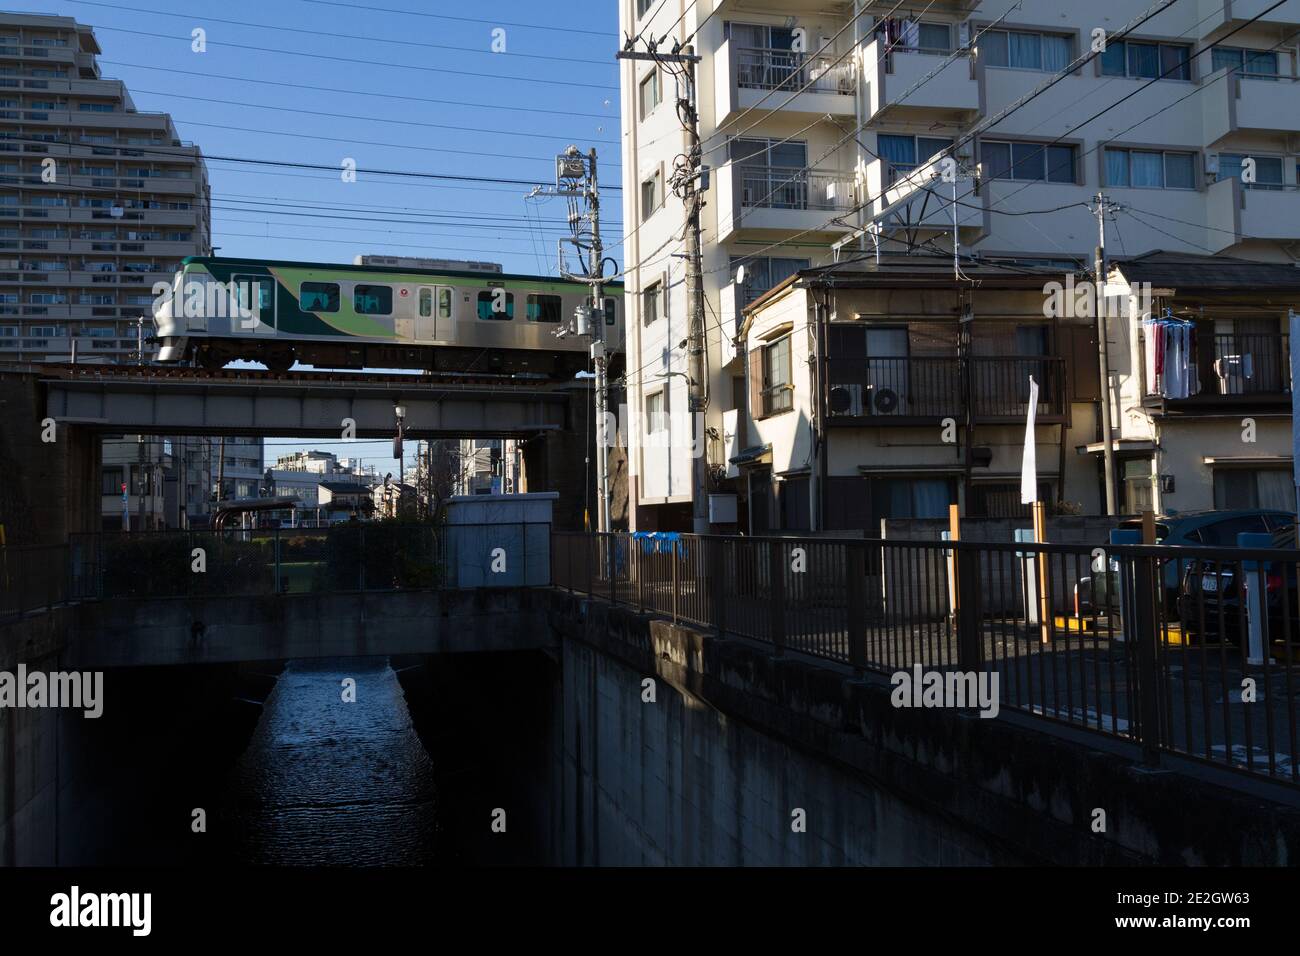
{"x":820,"y":378}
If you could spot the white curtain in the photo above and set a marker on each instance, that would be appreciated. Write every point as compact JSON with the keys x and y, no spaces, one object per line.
{"x":1056,"y":53}
{"x":1146,"y":169}
{"x":1276,"y":490}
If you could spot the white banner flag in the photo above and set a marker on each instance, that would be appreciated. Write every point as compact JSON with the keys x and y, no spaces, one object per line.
{"x":1029,"y":466}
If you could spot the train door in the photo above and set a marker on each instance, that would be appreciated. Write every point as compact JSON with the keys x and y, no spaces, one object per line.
{"x":254,"y":297}
{"x":433,"y":313}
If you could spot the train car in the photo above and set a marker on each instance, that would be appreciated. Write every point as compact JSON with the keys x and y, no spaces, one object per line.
{"x":334,"y":315}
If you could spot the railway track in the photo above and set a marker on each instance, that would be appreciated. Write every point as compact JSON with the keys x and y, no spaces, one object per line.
{"x":85,"y":372}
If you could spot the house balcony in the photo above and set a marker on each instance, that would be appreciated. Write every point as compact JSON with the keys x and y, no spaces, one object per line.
{"x":924,"y":390}
{"x":897,"y":81}
{"x":1243,"y":371}
{"x":780,"y":81}
{"x":775,"y":201}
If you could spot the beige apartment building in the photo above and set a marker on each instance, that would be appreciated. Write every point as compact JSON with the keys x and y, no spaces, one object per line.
{"x":809,"y":112}
{"x":98,"y":201}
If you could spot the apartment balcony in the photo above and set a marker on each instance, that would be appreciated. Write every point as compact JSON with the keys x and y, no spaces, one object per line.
{"x":924,"y":390}
{"x":951,"y":93}
{"x":1215,"y":13}
{"x":1256,"y":211}
{"x":1242,"y":371}
{"x":1251,"y":104}
{"x":770,"y":200}
{"x":767,"y":80}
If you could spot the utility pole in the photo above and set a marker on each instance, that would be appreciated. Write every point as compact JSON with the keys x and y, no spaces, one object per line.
{"x":688,"y":182}
{"x":1103,"y":355}
{"x":221,"y":470}
{"x":576,"y":176}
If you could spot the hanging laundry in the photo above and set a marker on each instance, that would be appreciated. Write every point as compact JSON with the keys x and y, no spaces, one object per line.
{"x":1170,"y":357}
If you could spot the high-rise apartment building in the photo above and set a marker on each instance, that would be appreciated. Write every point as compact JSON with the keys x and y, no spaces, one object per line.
{"x":810,"y":111}
{"x":98,"y":201}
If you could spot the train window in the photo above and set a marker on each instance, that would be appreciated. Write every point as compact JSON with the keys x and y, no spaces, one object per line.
{"x":609,"y":311}
{"x":318,"y":297}
{"x":426,"y":302}
{"x":372,"y":299}
{"x":544,"y":308}
{"x":444,"y":303}
{"x":496,"y":304}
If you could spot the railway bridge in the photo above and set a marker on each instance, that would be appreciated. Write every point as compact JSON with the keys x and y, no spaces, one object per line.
{"x":58,"y":469}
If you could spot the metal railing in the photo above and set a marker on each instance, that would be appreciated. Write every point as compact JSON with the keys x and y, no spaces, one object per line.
{"x":1099,"y":641}
{"x":368,"y":556}
{"x":41,"y":577}
{"x":932,"y":387}
{"x":791,"y":187}
{"x":767,"y":69}
{"x":1250,"y":363}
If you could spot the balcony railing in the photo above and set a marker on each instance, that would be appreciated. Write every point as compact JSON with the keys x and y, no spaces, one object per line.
{"x":791,"y":187}
{"x":1247,"y":363}
{"x":767,"y":69}
{"x":912,"y":387}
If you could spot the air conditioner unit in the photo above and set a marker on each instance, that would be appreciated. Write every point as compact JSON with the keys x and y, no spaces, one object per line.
{"x":845,"y":400}
{"x":885,"y":401}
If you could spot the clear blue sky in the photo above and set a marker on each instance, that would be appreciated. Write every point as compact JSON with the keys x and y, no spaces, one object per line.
{"x":219,"y":99}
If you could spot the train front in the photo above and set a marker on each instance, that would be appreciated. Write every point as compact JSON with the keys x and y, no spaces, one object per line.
{"x":169,"y":321}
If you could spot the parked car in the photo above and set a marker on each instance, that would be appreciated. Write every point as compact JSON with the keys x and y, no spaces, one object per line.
{"x":1099,"y":593}
{"x":1212,"y":594}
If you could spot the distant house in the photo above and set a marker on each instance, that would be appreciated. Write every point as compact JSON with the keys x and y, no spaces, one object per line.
{"x":342,"y":499}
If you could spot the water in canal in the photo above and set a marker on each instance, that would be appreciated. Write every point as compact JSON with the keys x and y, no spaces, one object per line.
{"x":329,"y":782}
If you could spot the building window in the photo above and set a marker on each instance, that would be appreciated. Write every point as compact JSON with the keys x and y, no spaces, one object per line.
{"x":318,"y":297}
{"x":650,"y":297}
{"x":1268,"y":170}
{"x":1236,"y":488}
{"x":372,"y":299}
{"x":656,"y":411}
{"x":905,"y":153}
{"x":908,"y":35}
{"x":1022,"y":50}
{"x":1150,"y":169}
{"x":910,"y":497}
{"x":643,"y":7}
{"x":1147,"y":60}
{"x":778,"y":386}
{"x":650,"y":93}
{"x":651,"y":196}
{"x":1139,"y":489}
{"x":763,"y":273}
{"x":543,"y":308}
{"x":1252,"y":64}
{"x":110,"y":481}
{"x":496,"y":304}
{"x":1032,"y":162}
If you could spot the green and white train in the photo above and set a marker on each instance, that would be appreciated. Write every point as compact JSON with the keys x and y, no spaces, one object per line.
{"x":331,"y":315}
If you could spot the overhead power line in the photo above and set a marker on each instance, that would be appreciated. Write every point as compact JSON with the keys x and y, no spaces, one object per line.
{"x":206,"y":18}
{"x":446,"y":16}
{"x":367,"y":119}
{"x":186,"y":153}
{"x":371,"y":64}
{"x":375,"y":93}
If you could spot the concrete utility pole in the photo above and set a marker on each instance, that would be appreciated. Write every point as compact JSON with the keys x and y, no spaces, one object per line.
{"x":688,"y":183}
{"x":1103,"y":355}
{"x":576,"y":176}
